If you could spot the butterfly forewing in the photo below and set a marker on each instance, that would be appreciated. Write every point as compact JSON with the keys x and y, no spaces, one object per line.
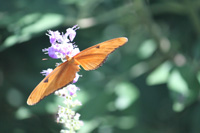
{"x":58,"y":78}
{"x":93,"y":57}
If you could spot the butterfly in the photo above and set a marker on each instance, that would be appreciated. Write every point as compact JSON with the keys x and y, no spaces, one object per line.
{"x":89,"y":59}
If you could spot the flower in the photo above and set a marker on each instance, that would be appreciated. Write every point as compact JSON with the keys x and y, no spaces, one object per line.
{"x":76,"y":78}
{"x":74,"y":52}
{"x":76,"y":103}
{"x":66,"y":115}
{"x":72,"y":89}
{"x":46,"y":72}
{"x":71,"y":32}
{"x":54,"y":36}
{"x":62,"y":46}
{"x":62,"y":92}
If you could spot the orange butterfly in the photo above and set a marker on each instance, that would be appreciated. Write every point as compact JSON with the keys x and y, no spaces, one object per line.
{"x":90,"y":59}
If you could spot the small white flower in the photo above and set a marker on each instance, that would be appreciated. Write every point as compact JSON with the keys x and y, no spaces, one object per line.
{"x":76,"y":103}
{"x":76,"y":117}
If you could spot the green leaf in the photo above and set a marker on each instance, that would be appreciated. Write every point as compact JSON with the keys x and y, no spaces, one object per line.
{"x":179,"y":90}
{"x":146,"y":49}
{"x":160,"y":75}
{"x":127,"y":94}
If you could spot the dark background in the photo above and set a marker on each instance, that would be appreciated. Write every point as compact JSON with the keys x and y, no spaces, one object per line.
{"x":150,"y":85}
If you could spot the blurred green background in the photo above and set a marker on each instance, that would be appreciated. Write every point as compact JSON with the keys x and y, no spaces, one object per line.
{"x":150,"y":85}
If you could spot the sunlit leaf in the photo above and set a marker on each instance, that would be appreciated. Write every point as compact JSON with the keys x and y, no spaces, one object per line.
{"x":45,"y":22}
{"x":127,"y":94}
{"x":32,"y":24}
{"x":179,"y":90}
{"x":146,"y":49}
{"x":159,"y":75}
{"x":22,"y":113}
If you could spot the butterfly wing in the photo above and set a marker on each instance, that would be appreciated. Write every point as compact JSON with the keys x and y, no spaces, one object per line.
{"x":58,"y":78}
{"x":90,"y":59}
{"x":93,"y":57}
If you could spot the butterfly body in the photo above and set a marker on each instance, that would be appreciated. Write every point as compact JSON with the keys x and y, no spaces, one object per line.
{"x":90,"y":59}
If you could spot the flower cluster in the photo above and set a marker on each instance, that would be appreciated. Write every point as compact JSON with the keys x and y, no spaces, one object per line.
{"x":62,"y":46}
{"x":66,"y":115}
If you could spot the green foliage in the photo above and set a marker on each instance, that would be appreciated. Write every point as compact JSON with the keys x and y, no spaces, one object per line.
{"x":150,"y":85}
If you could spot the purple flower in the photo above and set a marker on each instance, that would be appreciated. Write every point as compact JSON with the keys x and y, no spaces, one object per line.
{"x":74,"y":52}
{"x":53,"y":51}
{"x":61,"y":45}
{"x":72,"y":89}
{"x":54,"y":36}
{"x":71,"y":32}
{"x":66,"y":49}
{"x":76,"y":78}
{"x":46,"y":72}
